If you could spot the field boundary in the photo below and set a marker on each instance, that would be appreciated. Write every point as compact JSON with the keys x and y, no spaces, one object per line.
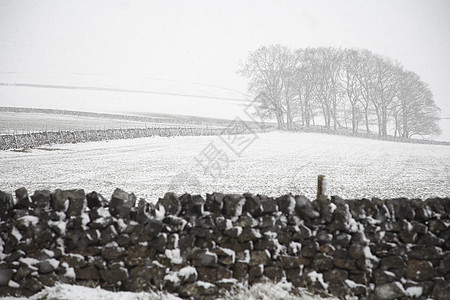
{"x":321,"y":129}
{"x":37,"y":139}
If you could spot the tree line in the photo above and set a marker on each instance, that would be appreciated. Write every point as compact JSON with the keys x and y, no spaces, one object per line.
{"x":341,"y":88}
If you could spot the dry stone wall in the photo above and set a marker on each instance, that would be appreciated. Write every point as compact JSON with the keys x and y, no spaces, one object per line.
{"x":199,"y":248}
{"x":37,"y":139}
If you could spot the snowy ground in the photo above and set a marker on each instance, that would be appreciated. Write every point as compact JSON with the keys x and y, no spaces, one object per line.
{"x":268,"y":291}
{"x":274,"y":164}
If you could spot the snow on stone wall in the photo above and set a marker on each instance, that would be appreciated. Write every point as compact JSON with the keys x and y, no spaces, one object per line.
{"x":196,"y":247}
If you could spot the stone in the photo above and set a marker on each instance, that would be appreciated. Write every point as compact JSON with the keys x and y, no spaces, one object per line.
{"x":253,"y":205}
{"x":59,"y":201}
{"x":74,"y":261}
{"x":114,"y":275}
{"x":323,"y":237}
{"x":259,"y":258}
{"x":186,"y":243}
{"x":424,"y":252}
{"x":223,"y":273}
{"x":113,"y":252}
{"x":23,"y":200}
{"x":207,"y":274}
{"x":341,"y":240}
{"x":225,"y":256}
{"x":214,"y":203}
{"x":356,"y":251}
{"x":244,"y":222}
{"x":233,"y":232}
{"x":87,"y":273}
{"x":123,"y":239}
{"x":95,"y":200}
{"x":309,"y":248}
{"x":48,"y":279}
{"x":152,"y":229}
{"x":403,"y":209}
{"x":176,"y":224}
{"x":121,"y":204}
{"x":171,"y":204}
{"x":436,"y":204}
{"x":77,"y":202}
{"x":187,"y":204}
{"x":199,"y":205}
{"x":233,"y":205}
{"x":266,"y":222}
{"x":256,"y":271}
{"x":345,"y":263}
{"x":249,"y":234}
{"x":32,"y":284}
{"x":6,"y":206}
{"x":108,"y":235}
{"x":274,"y":272}
{"x":422,"y":213}
{"x":286,"y":204}
{"x":420,"y":270}
{"x":305,"y":209}
{"x":335,"y":276}
{"x":159,"y":243}
{"x":322,"y":262}
{"x":41,"y":199}
{"x":141,"y":271}
{"x":292,"y":262}
{"x":48,"y":266}
{"x":436,"y":226}
{"x":389,"y":291}
{"x":268,"y":205}
{"x":138,"y":284}
{"x":444,"y":265}
{"x":394,"y":264}
{"x":430,"y":239}
{"x":240,"y":270}
{"x":5,"y":276}
{"x":204,"y":258}
{"x":441,"y":290}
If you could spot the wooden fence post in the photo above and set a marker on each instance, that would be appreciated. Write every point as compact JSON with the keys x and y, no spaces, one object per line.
{"x":321,"y":186}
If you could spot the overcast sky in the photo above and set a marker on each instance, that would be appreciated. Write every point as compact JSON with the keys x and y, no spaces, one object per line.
{"x":204,"y":41}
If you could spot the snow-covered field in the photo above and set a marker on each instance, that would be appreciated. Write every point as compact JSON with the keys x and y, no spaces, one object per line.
{"x":276,"y":163}
{"x":267,"y":291}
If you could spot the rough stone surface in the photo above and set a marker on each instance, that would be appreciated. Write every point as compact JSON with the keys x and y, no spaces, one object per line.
{"x":370,"y":249}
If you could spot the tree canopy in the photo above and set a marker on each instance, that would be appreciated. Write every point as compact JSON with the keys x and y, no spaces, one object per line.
{"x":341,"y":88}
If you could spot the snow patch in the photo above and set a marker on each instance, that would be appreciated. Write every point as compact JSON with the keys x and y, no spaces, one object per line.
{"x":172,"y":277}
{"x":186,"y":272}
{"x":351,"y":284}
{"x":414,"y":291}
{"x":160,"y":212}
{"x":314,"y":276}
{"x":174,"y":256}
{"x":239,"y":229}
{"x":27,"y":220}
{"x":13,"y":284}
{"x":296,"y":247}
{"x":291,"y":207}
{"x":229,"y":252}
{"x":247,"y":257}
{"x":332,"y":207}
{"x":16,"y":233}
{"x":204,"y":284}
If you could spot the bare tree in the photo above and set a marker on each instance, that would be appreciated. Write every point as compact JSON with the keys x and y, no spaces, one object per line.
{"x":270,"y":70}
{"x":340,"y":85}
{"x":352,"y":85}
{"x":418,"y":113}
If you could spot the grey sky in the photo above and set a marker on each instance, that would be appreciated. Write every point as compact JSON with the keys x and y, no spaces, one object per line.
{"x":204,"y":41}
